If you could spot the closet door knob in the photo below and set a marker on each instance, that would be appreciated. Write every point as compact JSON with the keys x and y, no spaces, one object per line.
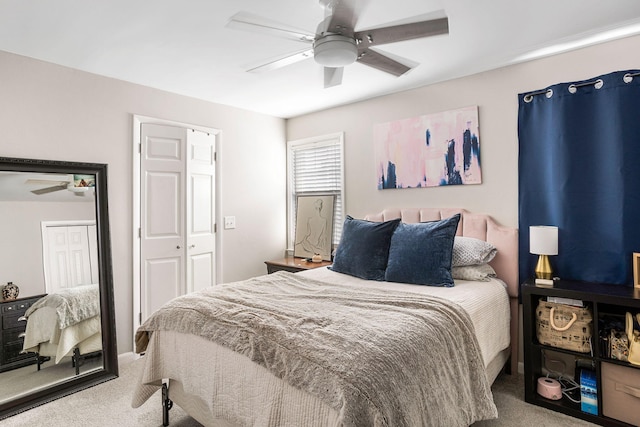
{"x":192,"y":246}
{"x":178,"y":247}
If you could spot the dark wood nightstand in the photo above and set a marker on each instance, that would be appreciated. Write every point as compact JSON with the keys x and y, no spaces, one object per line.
{"x":293,"y":264}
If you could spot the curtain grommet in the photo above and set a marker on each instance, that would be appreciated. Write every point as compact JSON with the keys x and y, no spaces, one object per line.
{"x":573,"y":88}
{"x":529,"y":97}
{"x":627,"y":78}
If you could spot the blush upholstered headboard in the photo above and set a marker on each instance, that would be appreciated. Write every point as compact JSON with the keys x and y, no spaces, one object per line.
{"x":483,"y":227}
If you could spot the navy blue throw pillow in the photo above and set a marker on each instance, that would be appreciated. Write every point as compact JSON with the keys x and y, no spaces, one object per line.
{"x":364,"y":248}
{"x":421,"y":253}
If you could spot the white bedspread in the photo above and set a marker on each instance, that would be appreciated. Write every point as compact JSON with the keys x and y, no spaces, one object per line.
{"x":487,"y":303}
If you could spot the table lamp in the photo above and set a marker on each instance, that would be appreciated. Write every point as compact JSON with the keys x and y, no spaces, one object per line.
{"x":543,"y":241}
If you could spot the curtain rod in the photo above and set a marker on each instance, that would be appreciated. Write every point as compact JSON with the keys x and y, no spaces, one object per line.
{"x":627,"y":78}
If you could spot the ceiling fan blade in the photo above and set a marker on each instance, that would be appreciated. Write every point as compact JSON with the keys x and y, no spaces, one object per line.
{"x":283,"y":61}
{"x":49,"y":189}
{"x":344,"y":15}
{"x":381,"y":62}
{"x":397,"y":33}
{"x":248,"y":22}
{"x":332,"y":76}
{"x":45,"y":182}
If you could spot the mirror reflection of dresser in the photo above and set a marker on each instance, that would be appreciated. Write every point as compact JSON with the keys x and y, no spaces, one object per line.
{"x":46,"y":352}
{"x":13,"y":327}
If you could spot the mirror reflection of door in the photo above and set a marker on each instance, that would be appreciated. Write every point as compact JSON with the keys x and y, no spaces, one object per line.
{"x":70,"y":254}
{"x":49,"y":227}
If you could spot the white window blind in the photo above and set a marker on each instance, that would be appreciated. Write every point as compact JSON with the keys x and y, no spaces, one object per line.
{"x":316,"y":167}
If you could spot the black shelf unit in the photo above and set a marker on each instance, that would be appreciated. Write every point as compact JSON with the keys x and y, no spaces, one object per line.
{"x":603,"y":299}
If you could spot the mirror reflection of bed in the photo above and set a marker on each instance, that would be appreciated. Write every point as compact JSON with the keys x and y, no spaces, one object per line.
{"x":53,"y":256}
{"x":64,"y":327}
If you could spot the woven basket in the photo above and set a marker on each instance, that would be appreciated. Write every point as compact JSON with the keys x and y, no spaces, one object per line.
{"x":564,"y":326}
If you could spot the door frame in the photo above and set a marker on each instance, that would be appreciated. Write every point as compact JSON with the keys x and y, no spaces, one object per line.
{"x":138,"y":120}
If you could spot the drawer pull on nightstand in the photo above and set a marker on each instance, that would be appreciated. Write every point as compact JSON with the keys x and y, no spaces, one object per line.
{"x":564,"y":328}
{"x":22,"y":319}
{"x":22,"y":335}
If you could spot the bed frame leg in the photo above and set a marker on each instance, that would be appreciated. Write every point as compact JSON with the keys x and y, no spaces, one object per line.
{"x":75,"y":360}
{"x":167,"y":404}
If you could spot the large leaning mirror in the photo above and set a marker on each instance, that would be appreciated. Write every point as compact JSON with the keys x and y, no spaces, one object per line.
{"x":58,"y":324}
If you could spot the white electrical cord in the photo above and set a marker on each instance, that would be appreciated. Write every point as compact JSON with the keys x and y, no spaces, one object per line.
{"x":566,"y":384}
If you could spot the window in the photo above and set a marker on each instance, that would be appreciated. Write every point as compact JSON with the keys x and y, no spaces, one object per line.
{"x":315,"y":166}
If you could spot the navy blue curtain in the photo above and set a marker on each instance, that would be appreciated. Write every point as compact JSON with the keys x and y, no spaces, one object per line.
{"x":579,"y":169}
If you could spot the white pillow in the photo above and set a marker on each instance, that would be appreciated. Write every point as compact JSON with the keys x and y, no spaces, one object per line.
{"x":470,"y":251}
{"x":479,"y":273}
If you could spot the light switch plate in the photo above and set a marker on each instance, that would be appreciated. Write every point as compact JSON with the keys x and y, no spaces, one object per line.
{"x":229,"y":222}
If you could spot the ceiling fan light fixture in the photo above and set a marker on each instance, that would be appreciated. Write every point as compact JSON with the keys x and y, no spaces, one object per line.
{"x":335,"y":51}
{"x":75,"y":189}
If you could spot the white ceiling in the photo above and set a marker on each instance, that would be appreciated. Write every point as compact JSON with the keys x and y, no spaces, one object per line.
{"x":184,"y":47}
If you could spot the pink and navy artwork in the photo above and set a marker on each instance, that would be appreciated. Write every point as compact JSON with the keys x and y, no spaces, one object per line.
{"x":429,"y":151}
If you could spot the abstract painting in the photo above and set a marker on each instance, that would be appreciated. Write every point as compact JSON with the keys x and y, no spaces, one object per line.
{"x":429,"y":151}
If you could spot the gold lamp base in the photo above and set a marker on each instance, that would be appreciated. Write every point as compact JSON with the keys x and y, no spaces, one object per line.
{"x":543,"y":268}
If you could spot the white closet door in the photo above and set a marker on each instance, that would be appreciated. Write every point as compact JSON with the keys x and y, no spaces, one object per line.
{"x":201,"y":243}
{"x":92,"y":236}
{"x":58,"y":261}
{"x":162,"y":216}
{"x":177,"y":214}
{"x":79,"y":260}
{"x":70,"y":257}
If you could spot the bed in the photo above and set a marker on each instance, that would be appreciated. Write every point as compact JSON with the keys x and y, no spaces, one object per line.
{"x":65,"y":324}
{"x":434,"y":370}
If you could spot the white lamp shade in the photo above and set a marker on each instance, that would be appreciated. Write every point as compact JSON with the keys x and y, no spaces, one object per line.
{"x":543,"y":240}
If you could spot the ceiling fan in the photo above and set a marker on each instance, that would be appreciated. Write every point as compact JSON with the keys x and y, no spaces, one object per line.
{"x":336,"y":43}
{"x":56,"y":184}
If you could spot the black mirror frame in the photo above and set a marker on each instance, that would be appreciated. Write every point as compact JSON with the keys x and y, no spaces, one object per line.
{"x":107,"y":310}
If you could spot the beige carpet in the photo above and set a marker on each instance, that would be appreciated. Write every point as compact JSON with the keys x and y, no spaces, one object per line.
{"x":20,"y":381}
{"x":109,"y":404}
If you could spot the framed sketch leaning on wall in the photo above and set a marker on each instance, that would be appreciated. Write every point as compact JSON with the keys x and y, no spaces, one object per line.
{"x":314,"y":226}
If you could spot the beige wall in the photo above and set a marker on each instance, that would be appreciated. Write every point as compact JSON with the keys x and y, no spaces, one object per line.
{"x":53,"y":112}
{"x":495,"y":93}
